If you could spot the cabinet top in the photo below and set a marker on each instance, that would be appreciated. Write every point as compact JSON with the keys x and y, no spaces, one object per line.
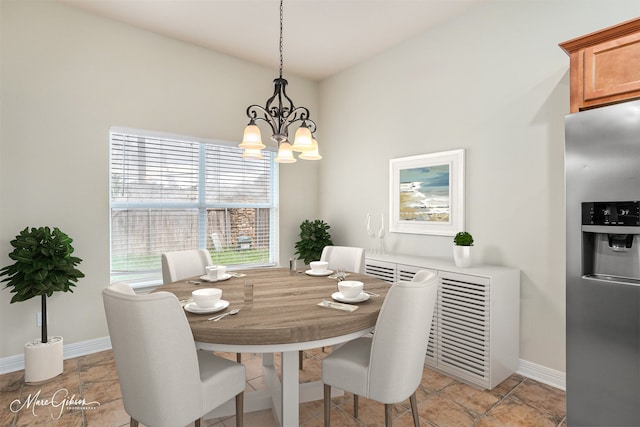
{"x":597,"y":37}
{"x":440,"y":263}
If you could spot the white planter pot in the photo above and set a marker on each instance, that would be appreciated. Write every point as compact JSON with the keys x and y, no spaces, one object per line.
{"x":462,"y":255}
{"x":43,"y":361}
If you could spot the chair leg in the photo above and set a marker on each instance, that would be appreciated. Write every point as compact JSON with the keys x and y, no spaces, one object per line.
{"x":133,"y":423}
{"x":239,"y":357}
{"x":240,"y":409}
{"x":355,"y":406}
{"x":388,"y":414}
{"x":300,"y":359}
{"x":327,"y":405}
{"x":414,"y":409}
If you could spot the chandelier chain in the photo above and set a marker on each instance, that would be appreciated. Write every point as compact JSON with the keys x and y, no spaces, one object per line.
{"x":281,"y":55}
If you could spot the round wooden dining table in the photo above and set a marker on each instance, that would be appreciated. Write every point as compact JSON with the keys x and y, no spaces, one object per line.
{"x":290,"y":311}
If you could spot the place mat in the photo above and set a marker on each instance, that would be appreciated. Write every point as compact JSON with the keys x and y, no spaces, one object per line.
{"x":338,"y":306}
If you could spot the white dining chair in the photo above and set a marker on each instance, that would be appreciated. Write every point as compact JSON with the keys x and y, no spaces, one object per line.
{"x":165,"y":381}
{"x":422,"y":275}
{"x":344,"y":258}
{"x":387,"y":367}
{"x":179,"y":265}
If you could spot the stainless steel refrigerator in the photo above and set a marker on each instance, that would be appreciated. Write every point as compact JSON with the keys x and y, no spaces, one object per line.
{"x":602,"y":172}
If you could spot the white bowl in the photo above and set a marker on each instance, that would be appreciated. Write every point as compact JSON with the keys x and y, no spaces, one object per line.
{"x":206,"y":297}
{"x":318,"y":266}
{"x":350,"y":288}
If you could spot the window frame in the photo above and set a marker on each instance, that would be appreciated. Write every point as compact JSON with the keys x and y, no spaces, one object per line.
{"x":201,"y":204}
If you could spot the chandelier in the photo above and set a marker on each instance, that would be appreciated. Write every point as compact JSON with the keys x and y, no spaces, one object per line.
{"x":279,"y":112}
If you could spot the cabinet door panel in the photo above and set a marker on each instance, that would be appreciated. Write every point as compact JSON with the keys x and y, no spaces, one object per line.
{"x":463,"y":326}
{"x":612,"y":68}
{"x":381,"y":269}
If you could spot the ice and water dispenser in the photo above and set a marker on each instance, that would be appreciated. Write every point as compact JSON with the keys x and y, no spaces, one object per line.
{"x":611,"y":241}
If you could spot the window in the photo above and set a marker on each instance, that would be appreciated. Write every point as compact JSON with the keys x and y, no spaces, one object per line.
{"x":173,"y":193}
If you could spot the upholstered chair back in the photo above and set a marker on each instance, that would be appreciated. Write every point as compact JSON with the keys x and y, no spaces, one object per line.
{"x":155,"y":356}
{"x":179,"y":265}
{"x":345,"y":258}
{"x":400,"y":340}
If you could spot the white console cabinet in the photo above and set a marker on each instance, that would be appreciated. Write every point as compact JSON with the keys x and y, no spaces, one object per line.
{"x":475,"y":330}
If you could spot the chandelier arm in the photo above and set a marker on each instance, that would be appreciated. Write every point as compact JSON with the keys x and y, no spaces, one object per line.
{"x":254,"y":110}
{"x":299,"y":114}
{"x":311,"y":125}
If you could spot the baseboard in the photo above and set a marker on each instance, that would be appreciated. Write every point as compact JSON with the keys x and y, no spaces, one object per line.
{"x":528,"y":369}
{"x":543,"y":374}
{"x":16,"y":363}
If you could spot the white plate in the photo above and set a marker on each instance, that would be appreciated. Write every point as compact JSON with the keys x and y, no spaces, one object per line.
{"x":225,"y":276}
{"x":319,"y":273}
{"x":339,"y":297}
{"x":192,"y":307}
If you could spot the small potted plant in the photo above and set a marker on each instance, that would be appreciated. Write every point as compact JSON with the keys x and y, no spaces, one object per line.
{"x":314,"y":236}
{"x":462,"y":243}
{"x":43,"y":265}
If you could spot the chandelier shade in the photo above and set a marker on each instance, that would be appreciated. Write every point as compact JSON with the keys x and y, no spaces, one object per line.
{"x":279,"y":113}
{"x":252,"y":153}
{"x":252,"y":139}
{"x":302,"y":141}
{"x":285,"y":154}
{"x":313,"y":154}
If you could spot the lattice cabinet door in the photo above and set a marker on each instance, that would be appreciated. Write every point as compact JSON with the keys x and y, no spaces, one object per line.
{"x":462,"y":342}
{"x":380,"y":269}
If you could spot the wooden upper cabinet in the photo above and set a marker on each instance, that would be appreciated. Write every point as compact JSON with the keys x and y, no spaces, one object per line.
{"x":605,"y":66}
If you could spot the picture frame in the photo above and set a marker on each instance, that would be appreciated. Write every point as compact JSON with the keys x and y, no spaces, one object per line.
{"x":427,"y":193}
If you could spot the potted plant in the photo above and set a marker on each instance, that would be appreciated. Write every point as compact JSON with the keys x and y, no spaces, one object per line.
{"x":43,"y":265}
{"x":462,"y":243}
{"x":314,"y":236}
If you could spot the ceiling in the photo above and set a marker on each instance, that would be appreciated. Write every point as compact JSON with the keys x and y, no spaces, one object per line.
{"x":321,"y":37}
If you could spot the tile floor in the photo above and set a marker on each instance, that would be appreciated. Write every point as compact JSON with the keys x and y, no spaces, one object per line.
{"x":442,"y":401}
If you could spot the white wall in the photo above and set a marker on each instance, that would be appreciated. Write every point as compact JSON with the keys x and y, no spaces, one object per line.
{"x":66,"y":77}
{"x":495,"y":83}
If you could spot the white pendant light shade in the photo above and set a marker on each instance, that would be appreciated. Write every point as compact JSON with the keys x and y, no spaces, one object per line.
{"x":314,"y":154}
{"x":252,"y":153}
{"x":285,"y":155}
{"x":303,"y":139}
{"x":252,"y":138}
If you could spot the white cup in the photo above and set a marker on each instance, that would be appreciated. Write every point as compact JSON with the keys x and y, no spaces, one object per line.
{"x":318,"y":266}
{"x":212,"y":272}
{"x":206,"y":297}
{"x":350,"y":288}
{"x":222,"y":270}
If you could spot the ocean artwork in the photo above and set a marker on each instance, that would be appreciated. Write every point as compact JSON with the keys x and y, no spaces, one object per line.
{"x":425,"y":194}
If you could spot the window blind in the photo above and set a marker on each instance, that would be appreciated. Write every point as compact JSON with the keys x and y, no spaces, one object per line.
{"x":172,"y":193}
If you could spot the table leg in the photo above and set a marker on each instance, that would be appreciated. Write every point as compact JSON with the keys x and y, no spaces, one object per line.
{"x":290,"y":392}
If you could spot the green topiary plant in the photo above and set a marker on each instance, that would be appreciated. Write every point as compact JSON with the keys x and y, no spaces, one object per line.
{"x":314,"y":236}
{"x":43,"y":265}
{"x":463,"y":239}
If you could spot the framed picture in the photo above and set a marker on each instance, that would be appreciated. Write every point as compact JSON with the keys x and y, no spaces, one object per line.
{"x":427,"y":194}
